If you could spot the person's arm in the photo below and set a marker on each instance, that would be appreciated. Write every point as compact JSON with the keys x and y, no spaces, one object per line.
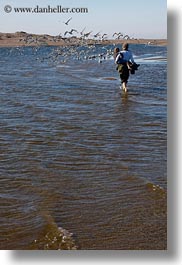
{"x":117,"y":58}
{"x":131,"y":58}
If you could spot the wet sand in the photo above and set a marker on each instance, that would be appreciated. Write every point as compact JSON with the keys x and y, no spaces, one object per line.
{"x":19,"y":39}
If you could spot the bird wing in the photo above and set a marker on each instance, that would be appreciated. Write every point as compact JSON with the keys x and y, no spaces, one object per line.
{"x":68,"y":20}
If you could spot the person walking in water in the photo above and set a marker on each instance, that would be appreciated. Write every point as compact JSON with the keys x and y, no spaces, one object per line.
{"x":123,"y":60}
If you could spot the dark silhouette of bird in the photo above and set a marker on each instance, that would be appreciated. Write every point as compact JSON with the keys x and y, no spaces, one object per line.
{"x":87,"y":34}
{"x":119,"y":35}
{"x":115,"y":33}
{"x":70,"y":32}
{"x":126,"y":37}
{"x":66,"y":32}
{"x":66,"y":23}
{"x":97,"y":35}
{"x":81,"y":33}
{"x":73,"y":30}
{"x":103,"y":36}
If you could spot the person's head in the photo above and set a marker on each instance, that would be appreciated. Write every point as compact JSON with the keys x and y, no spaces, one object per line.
{"x":125,"y":46}
{"x":116,"y":50}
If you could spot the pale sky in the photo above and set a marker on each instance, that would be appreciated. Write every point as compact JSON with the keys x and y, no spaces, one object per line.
{"x":137,"y":18}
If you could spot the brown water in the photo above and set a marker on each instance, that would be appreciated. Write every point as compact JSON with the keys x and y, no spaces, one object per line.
{"x":81,"y":164}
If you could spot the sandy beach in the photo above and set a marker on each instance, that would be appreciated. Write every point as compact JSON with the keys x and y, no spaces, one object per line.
{"x":20,"y":39}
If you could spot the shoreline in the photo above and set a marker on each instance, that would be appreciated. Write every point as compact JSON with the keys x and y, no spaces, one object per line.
{"x":22,"y":39}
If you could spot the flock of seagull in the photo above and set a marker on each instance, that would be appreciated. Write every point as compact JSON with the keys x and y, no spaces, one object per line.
{"x":80,"y":45}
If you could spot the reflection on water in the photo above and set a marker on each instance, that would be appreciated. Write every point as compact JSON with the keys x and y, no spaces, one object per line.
{"x":82,"y":165}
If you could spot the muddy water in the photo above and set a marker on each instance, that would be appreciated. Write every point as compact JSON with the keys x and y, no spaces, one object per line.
{"x":82,"y":165}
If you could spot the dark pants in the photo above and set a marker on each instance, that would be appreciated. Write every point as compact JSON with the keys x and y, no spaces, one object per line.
{"x":124,"y":72}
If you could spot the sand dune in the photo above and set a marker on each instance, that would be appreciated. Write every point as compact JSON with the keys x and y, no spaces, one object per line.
{"x":19,"y":39}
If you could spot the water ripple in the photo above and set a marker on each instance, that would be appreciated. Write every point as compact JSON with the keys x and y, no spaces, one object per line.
{"x":77,"y":154}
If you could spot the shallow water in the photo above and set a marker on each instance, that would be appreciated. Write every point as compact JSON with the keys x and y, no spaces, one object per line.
{"x":79,"y":155}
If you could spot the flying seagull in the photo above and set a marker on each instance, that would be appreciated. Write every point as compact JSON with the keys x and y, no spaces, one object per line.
{"x":103,"y":36}
{"x":70,"y":32}
{"x":82,"y":31}
{"x":66,"y":23}
{"x":87,"y":34}
{"x":73,"y":30}
{"x":119,"y":34}
{"x":97,"y":35}
{"x":126,"y":37}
